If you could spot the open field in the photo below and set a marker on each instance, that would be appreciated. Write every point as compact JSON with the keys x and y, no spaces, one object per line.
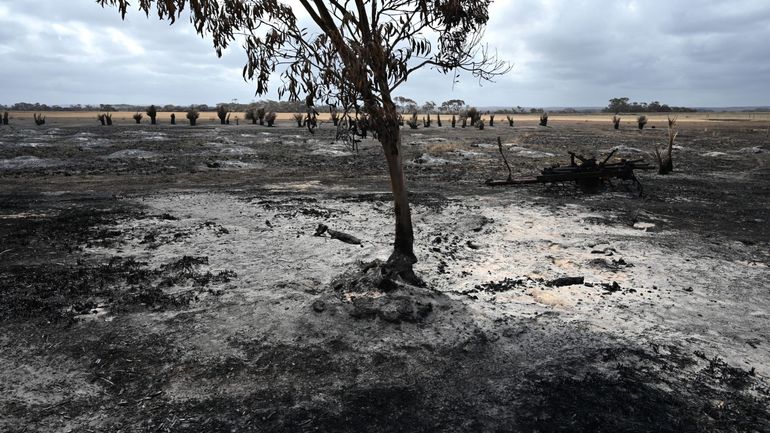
{"x":159,"y":278}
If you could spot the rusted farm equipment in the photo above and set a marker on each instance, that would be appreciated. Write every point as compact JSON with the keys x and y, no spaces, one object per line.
{"x":587,"y":174}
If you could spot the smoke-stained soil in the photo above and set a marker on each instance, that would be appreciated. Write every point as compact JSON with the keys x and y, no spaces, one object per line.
{"x":168,"y":279}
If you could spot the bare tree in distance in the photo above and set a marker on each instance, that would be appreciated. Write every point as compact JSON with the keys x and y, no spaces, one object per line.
{"x":358,"y":56}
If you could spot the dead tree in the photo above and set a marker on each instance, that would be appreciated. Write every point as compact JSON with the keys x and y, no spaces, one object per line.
{"x":665,"y":156}
{"x":359,"y":55}
{"x":505,"y":160}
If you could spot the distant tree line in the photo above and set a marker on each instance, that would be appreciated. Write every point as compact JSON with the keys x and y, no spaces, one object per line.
{"x":269,"y":105}
{"x":404,"y":104}
{"x":622,"y":105}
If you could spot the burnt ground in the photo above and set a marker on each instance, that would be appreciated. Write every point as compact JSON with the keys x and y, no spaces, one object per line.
{"x":167,"y":279}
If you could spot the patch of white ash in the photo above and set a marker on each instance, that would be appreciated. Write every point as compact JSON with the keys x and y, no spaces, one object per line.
{"x":426,"y":159}
{"x":26,"y":161}
{"x":132,"y":154}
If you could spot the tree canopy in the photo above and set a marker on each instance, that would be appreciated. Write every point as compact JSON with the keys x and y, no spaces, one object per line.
{"x":359,"y":51}
{"x":622,"y":105}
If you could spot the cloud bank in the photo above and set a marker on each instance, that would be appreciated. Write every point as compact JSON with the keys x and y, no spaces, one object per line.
{"x":565,"y":53}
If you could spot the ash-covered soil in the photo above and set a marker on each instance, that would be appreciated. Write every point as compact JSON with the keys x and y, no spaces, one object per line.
{"x":168,"y":279}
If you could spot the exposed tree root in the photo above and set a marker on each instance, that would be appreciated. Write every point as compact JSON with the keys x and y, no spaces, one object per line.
{"x":379,"y":290}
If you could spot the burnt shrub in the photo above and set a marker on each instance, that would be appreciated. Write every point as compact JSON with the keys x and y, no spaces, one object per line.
{"x":152,"y":113}
{"x":192,"y":116}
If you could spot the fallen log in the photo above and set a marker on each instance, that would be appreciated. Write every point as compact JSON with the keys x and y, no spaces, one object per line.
{"x":334,"y":234}
{"x":588,"y":174}
{"x":565,"y":281}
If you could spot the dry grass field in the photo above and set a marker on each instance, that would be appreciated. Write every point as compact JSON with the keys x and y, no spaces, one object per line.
{"x":658,"y":120}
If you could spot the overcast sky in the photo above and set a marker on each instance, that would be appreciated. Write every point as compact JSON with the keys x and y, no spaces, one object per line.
{"x":567,"y":53}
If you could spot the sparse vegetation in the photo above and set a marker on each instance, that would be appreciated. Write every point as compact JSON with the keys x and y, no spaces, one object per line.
{"x":480,"y":124}
{"x":544,"y":119}
{"x":491,"y":120}
{"x":192,"y":116}
{"x":510,"y":120}
{"x":464,"y":122}
{"x":665,"y":156}
{"x":616,"y":121}
{"x":269,"y":118}
{"x":102,"y":118}
{"x":300,"y":119}
{"x":152,"y":113}
{"x":641,"y":121}
{"x":138,"y":118}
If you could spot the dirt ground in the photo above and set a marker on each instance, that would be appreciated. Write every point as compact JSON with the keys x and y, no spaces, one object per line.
{"x":168,"y":279}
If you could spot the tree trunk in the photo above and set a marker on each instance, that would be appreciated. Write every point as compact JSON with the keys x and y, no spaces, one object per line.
{"x":401,"y":260}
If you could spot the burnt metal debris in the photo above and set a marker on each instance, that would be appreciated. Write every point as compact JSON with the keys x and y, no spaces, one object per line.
{"x":587,"y":173}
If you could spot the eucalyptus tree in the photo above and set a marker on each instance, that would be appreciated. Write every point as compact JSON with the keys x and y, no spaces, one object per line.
{"x":354,"y":54}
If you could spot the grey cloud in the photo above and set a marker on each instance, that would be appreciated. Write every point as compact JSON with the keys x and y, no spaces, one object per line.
{"x":569,"y":53}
